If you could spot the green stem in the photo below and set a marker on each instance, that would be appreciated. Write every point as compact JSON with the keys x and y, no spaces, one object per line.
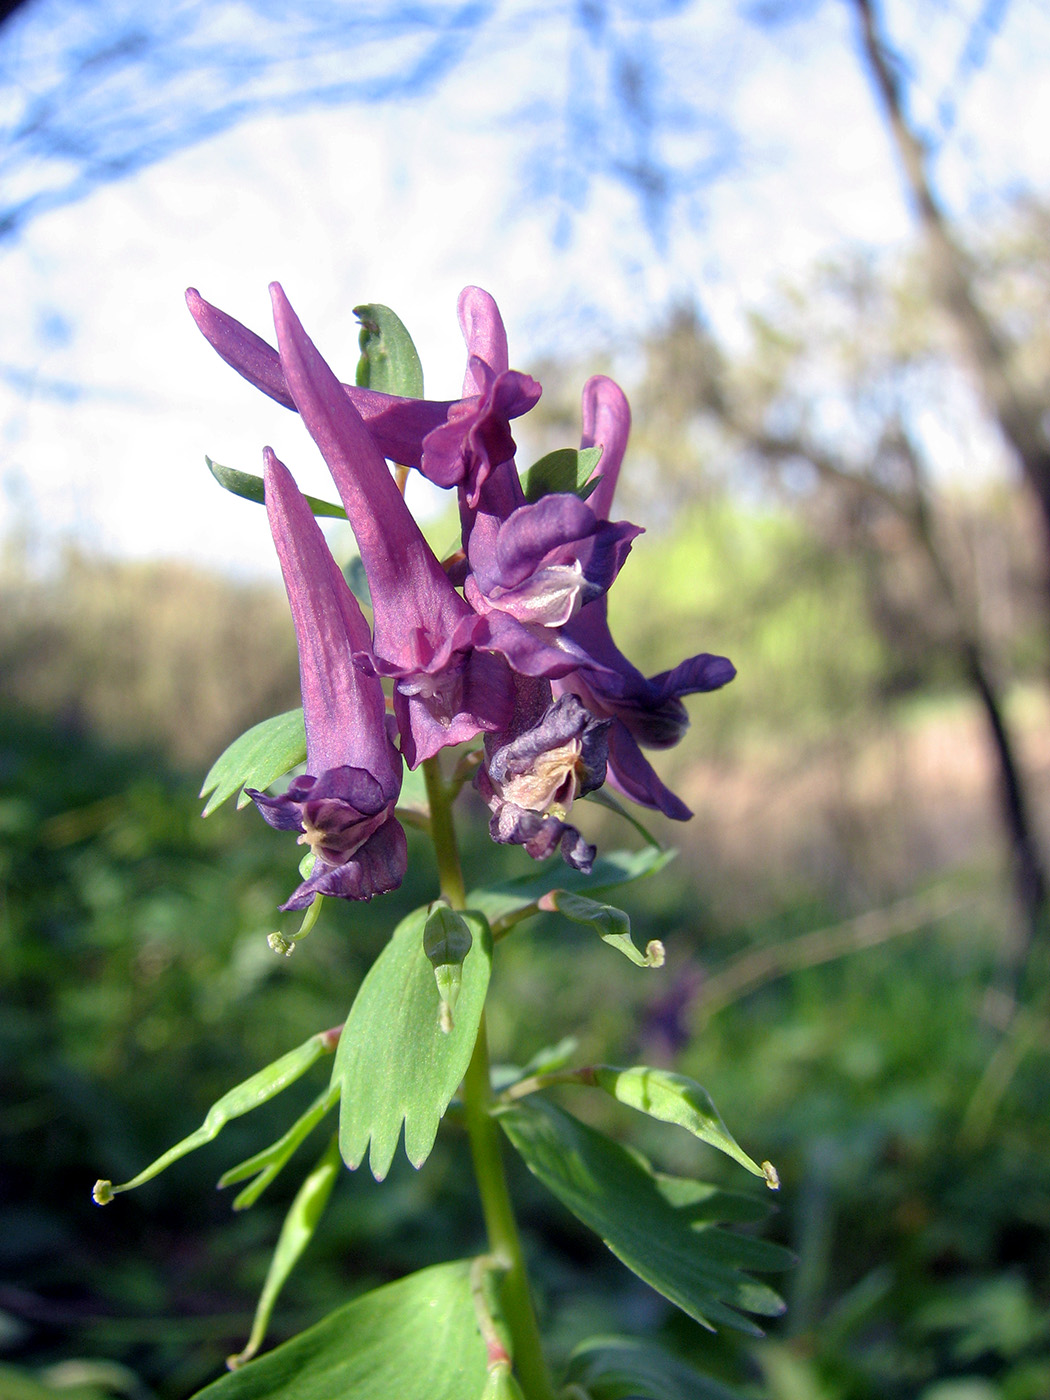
{"x":502,"y":1228}
{"x":443,"y":835}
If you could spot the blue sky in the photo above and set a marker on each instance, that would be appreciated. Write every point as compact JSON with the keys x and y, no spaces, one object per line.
{"x":109,"y":399}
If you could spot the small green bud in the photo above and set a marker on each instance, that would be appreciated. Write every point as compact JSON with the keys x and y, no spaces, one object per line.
{"x":446,"y":941}
{"x":102,"y":1193}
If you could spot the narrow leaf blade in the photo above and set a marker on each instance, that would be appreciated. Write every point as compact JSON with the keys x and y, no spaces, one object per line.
{"x":394,"y":1065}
{"x":250,"y":488}
{"x":258,"y":758}
{"x":258,"y":1089}
{"x":296,"y":1233}
{"x":266,"y":1165}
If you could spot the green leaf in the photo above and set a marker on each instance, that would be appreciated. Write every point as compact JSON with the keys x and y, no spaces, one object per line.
{"x":612,"y":925}
{"x":394,"y":1064}
{"x":258,"y":758}
{"x":296,"y":1233}
{"x":567,"y":469}
{"x":268,"y":1163}
{"x":250,"y":488}
{"x":545,"y":1061}
{"x":692,"y":1262}
{"x":389,"y":362}
{"x":416,"y":1339}
{"x":672,"y":1098}
{"x":615,"y":868}
{"x":620,"y":1368}
{"x":263,"y":1085}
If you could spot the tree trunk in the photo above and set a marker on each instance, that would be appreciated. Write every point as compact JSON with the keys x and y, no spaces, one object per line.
{"x":1018,"y":417}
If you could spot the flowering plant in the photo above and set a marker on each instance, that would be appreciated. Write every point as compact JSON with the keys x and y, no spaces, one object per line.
{"x":502,"y":655}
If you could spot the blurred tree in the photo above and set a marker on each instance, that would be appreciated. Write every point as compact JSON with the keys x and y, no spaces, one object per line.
{"x":100,"y":91}
{"x":1019,"y":408}
{"x":852,"y":403}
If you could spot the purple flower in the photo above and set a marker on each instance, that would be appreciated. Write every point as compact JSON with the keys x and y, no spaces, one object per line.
{"x":644,"y":711}
{"x":546,"y":560}
{"x":446,"y":691}
{"x":530,"y":567}
{"x":476,"y":438}
{"x":343,"y":806}
{"x":552,"y":754}
{"x":474,"y":429}
{"x":398,"y":425}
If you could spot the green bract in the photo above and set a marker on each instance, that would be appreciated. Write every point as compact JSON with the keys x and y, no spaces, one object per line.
{"x":268,"y":1163}
{"x":394,"y":1065}
{"x":389,"y":362}
{"x":258,"y":758}
{"x":566,"y":469}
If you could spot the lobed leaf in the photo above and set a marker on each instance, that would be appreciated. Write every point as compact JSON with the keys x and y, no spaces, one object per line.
{"x":616,"y":868}
{"x":394,"y":1065}
{"x":672,"y":1098}
{"x":296,"y":1233}
{"x":416,"y":1339}
{"x":389,"y":362}
{"x":258,"y":758}
{"x":621,"y":1368}
{"x":566,"y":469}
{"x":250,"y":488}
{"x":691,"y":1261}
{"x":262,"y":1086}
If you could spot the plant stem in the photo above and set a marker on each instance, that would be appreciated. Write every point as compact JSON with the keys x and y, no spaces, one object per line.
{"x":443,"y":835}
{"x":502,"y":1228}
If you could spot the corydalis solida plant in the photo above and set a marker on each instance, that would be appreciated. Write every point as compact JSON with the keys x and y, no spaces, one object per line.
{"x":502,"y":653}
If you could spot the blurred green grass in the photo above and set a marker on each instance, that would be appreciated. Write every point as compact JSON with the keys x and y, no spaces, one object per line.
{"x":138,"y":987}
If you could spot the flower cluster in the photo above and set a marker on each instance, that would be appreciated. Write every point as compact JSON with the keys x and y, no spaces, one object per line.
{"x":511,"y":641}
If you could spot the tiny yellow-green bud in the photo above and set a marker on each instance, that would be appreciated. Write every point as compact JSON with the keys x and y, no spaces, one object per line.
{"x":102,"y":1193}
